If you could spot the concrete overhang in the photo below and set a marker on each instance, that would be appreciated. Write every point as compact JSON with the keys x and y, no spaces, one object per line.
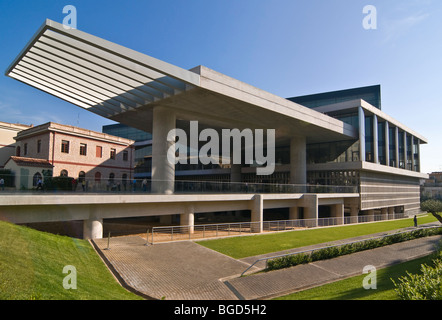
{"x":352,"y":105}
{"x":365,"y":166}
{"x":124,"y":85}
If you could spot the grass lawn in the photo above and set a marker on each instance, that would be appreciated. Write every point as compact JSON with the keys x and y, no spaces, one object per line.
{"x":246,"y":246}
{"x":32,"y":262}
{"x":352,"y":289}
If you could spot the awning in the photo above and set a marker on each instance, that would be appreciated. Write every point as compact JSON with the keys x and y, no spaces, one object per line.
{"x":96,"y":74}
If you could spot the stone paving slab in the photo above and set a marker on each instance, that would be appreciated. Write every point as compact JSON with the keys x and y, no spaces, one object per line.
{"x":179,"y":270}
{"x":276,"y":283}
{"x":187,"y":271}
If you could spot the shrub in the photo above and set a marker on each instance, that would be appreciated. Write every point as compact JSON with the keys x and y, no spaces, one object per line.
{"x":332,"y":252}
{"x":424,"y":286}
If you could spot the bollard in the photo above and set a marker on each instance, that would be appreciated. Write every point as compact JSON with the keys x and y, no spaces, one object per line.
{"x":108,"y":241}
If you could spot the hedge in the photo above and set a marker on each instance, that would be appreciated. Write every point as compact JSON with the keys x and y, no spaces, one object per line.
{"x":336,"y":251}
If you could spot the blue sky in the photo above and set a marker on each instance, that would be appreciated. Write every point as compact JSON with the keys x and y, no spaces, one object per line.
{"x":286,"y":47}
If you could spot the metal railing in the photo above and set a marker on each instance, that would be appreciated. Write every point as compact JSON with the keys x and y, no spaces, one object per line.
{"x":27,"y":184}
{"x":266,"y":259}
{"x":205,"y":231}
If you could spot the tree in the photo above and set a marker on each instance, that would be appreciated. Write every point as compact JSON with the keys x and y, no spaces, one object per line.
{"x":434,"y":207}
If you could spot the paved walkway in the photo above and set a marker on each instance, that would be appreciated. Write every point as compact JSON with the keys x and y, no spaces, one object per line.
{"x":187,"y":271}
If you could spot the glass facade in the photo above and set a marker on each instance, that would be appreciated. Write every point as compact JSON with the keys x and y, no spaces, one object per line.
{"x":381,"y":143}
{"x":392,"y":146}
{"x":123,"y":131}
{"x":401,"y":149}
{"x":369,"y":151}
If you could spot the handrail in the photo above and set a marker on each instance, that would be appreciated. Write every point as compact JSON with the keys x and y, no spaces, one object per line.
{"x":332,"y":246}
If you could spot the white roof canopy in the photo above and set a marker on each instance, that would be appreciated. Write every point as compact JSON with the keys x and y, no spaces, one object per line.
{"x":124,"y":85}
{"x":95,"y":74}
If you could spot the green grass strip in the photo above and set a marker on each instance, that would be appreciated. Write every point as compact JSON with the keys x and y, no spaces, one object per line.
{"x":32,"y":262}
{"x":352,"y":288}
{"x":246,"y":246}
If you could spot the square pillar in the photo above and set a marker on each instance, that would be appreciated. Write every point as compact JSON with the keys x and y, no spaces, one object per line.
{"x":337,"y":212}
{"x":375,"y":140}
{"x":298,"y":163}
{"x":387,"y":143}
{"x":163,"y":168}
{"x":384,"y":213}
{"x":294,"y":213}
{"x":396,"y":145}
{"x":354,"y":212}
{"x":310,"y":204}
{"x":361,"y":116}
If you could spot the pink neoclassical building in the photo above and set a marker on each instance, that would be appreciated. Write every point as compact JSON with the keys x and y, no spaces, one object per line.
{"x":99,"y":159}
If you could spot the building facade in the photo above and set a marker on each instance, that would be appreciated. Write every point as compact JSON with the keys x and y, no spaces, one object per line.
{"x":96,"y":158}
{"x":7,"y":143}
{"x":330,"y":141}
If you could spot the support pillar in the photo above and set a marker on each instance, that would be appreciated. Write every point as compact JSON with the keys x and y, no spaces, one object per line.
{"x":375,"y":140}
{"x":298,"y":162}
{"x":361,"y":116}
{"x":187,"y":219}
{"x":93,"y":228}
{"x":294,"y":213}
{"x":163,"y":169}
{"x":337,"y":211}
{"x":405,"y":150}
{"x":354,"y":211}
{"x":396,"y":146}
{"x":391,"y":213}
{"x":257,"y":213}
{"x":310,"y":205}
{"x":387,"y":143}
{"x":370,"y":215}
{"x":384,"y":213}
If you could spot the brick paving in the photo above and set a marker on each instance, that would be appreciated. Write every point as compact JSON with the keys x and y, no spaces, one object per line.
{"x":187,"y":271}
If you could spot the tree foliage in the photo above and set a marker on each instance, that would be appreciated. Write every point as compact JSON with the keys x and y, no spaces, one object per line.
{"x":434,"y":207}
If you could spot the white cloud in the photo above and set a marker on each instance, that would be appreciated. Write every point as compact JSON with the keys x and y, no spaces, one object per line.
{"x":395,"y":29}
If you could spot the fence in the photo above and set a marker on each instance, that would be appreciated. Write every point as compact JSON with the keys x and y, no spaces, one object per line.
{"x":38,"y":183}
{"x":204,"y":231}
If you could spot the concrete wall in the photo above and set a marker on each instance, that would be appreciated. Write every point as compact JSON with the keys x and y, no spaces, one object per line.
{"x":383,"y":190}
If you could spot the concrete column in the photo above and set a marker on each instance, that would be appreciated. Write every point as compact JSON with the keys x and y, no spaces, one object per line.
{"x":235,"y":177}
{"x":375,"y":140}
{"x":294,"y":213}
{"x":337,"y":211}
{"x":405,"y":150}
{"x":412,"y":153}
{"x":257,"y":213}
{"x":418,"y":155}
{"x":384,"y":213}
{"x":391,"y":213}
{"x":370,"y":215}
{"x":354,"y":211}
{"x":310,"y":205}
{"x":298,"y":161}
{"x":187,"y":219}
{"x":387,"y":143}
{"x":361,"y":116}
{"x":396,"y":146}
{"x":163,"y":170}
{"x":93,"y":228}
